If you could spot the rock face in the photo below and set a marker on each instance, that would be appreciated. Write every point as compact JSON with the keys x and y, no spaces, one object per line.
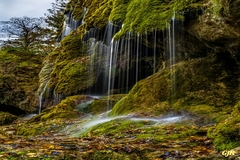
{"x":159,"y":35}
{"x":179,"y":56}
{"x":18,"y":81}
{"x":185,"y":86}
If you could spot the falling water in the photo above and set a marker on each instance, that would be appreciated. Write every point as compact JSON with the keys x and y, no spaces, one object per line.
{"x":137,"y":57}
{"x":112,"y":69}
{"x":44,"y":76}
{"x":128,"y":59}
{"x":154,"y":51}
{"x":71,"y":24}
{"x":41,"y":96}
{"x":172,"y":53}
{"x":57,"y":98}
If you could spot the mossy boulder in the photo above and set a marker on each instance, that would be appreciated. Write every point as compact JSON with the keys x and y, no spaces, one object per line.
{"x":6,"y":118}
{"x":66,"y":109}
{"x":226,"y":134}
{"x":19,"y":78}
{"x":71,"y":72}
{"x":201,"y":86}
{"x":100,"y":105}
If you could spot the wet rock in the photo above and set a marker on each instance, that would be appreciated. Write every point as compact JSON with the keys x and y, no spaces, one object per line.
{"x":55,"y":153}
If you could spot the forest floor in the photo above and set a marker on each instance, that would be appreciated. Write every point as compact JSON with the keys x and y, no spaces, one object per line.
{"x":155,"y":142}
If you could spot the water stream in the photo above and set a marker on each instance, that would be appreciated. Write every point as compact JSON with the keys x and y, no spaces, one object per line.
{"x":90,"y":121}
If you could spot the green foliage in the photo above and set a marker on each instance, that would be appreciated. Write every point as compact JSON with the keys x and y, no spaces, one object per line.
{"x":55,"y":18}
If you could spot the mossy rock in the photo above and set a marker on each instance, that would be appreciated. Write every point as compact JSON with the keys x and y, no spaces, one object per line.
{"x":6,"y":118}
{"x":226,"y":134}
{"x":31,"y":130}
{"x":125,"y":12}
{"x":66,"y":109}
{"x":100,"y":105}
{"x":18,"y":78}
{"x":172,"y":88}
{"x":134,"y":132}
{"x":71,"y":72}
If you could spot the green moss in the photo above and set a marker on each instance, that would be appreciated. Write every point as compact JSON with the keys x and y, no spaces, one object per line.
{"x":18,"y":76}
{"x":97,"y":14}
{"x":147,"y":15}
{"x":66,"y":109}
{"x":115,"y":127}
{"x":78,"y":11}
{"x":119,"y":11}
{"x":217,"y":7}
{"x":27,"y":64}
{"x":31,"y":130}
{"x":71,"y":47}
{"x":75,"y":77}
{"x":137,"y":16}
{"x":202,"y":94}
{"x":71,"y":72}
{"x":100,"y":105}
{"x":8,"y":56}
{"x":225,"y":8}
{"x":144,"y":130}
{"x":6,"y":118}
{"x":107,"y":154}
{"x":144,"y":95}
{"x":226,"y":133}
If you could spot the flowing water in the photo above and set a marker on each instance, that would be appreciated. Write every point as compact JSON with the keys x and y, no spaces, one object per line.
{"x":41,"y":96}
{"x":123,"y":62}
{"x":90,"y":121}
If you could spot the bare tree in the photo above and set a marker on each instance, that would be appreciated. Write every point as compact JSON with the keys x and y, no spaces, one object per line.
{"x":26,"y":33}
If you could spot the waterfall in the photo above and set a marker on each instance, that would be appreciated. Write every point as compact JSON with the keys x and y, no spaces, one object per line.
{"x":172,"y":53}
{"x":41,"y":96}
{"x":57,"y":98}
{"x":128,"y":59}
{"x":44,"y":81}
{"x":154,"y":51}
{"x":112,"y":69}
{"x":71,"y":24}
{"x":137,"y":57}
{"x":118,"y":63}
